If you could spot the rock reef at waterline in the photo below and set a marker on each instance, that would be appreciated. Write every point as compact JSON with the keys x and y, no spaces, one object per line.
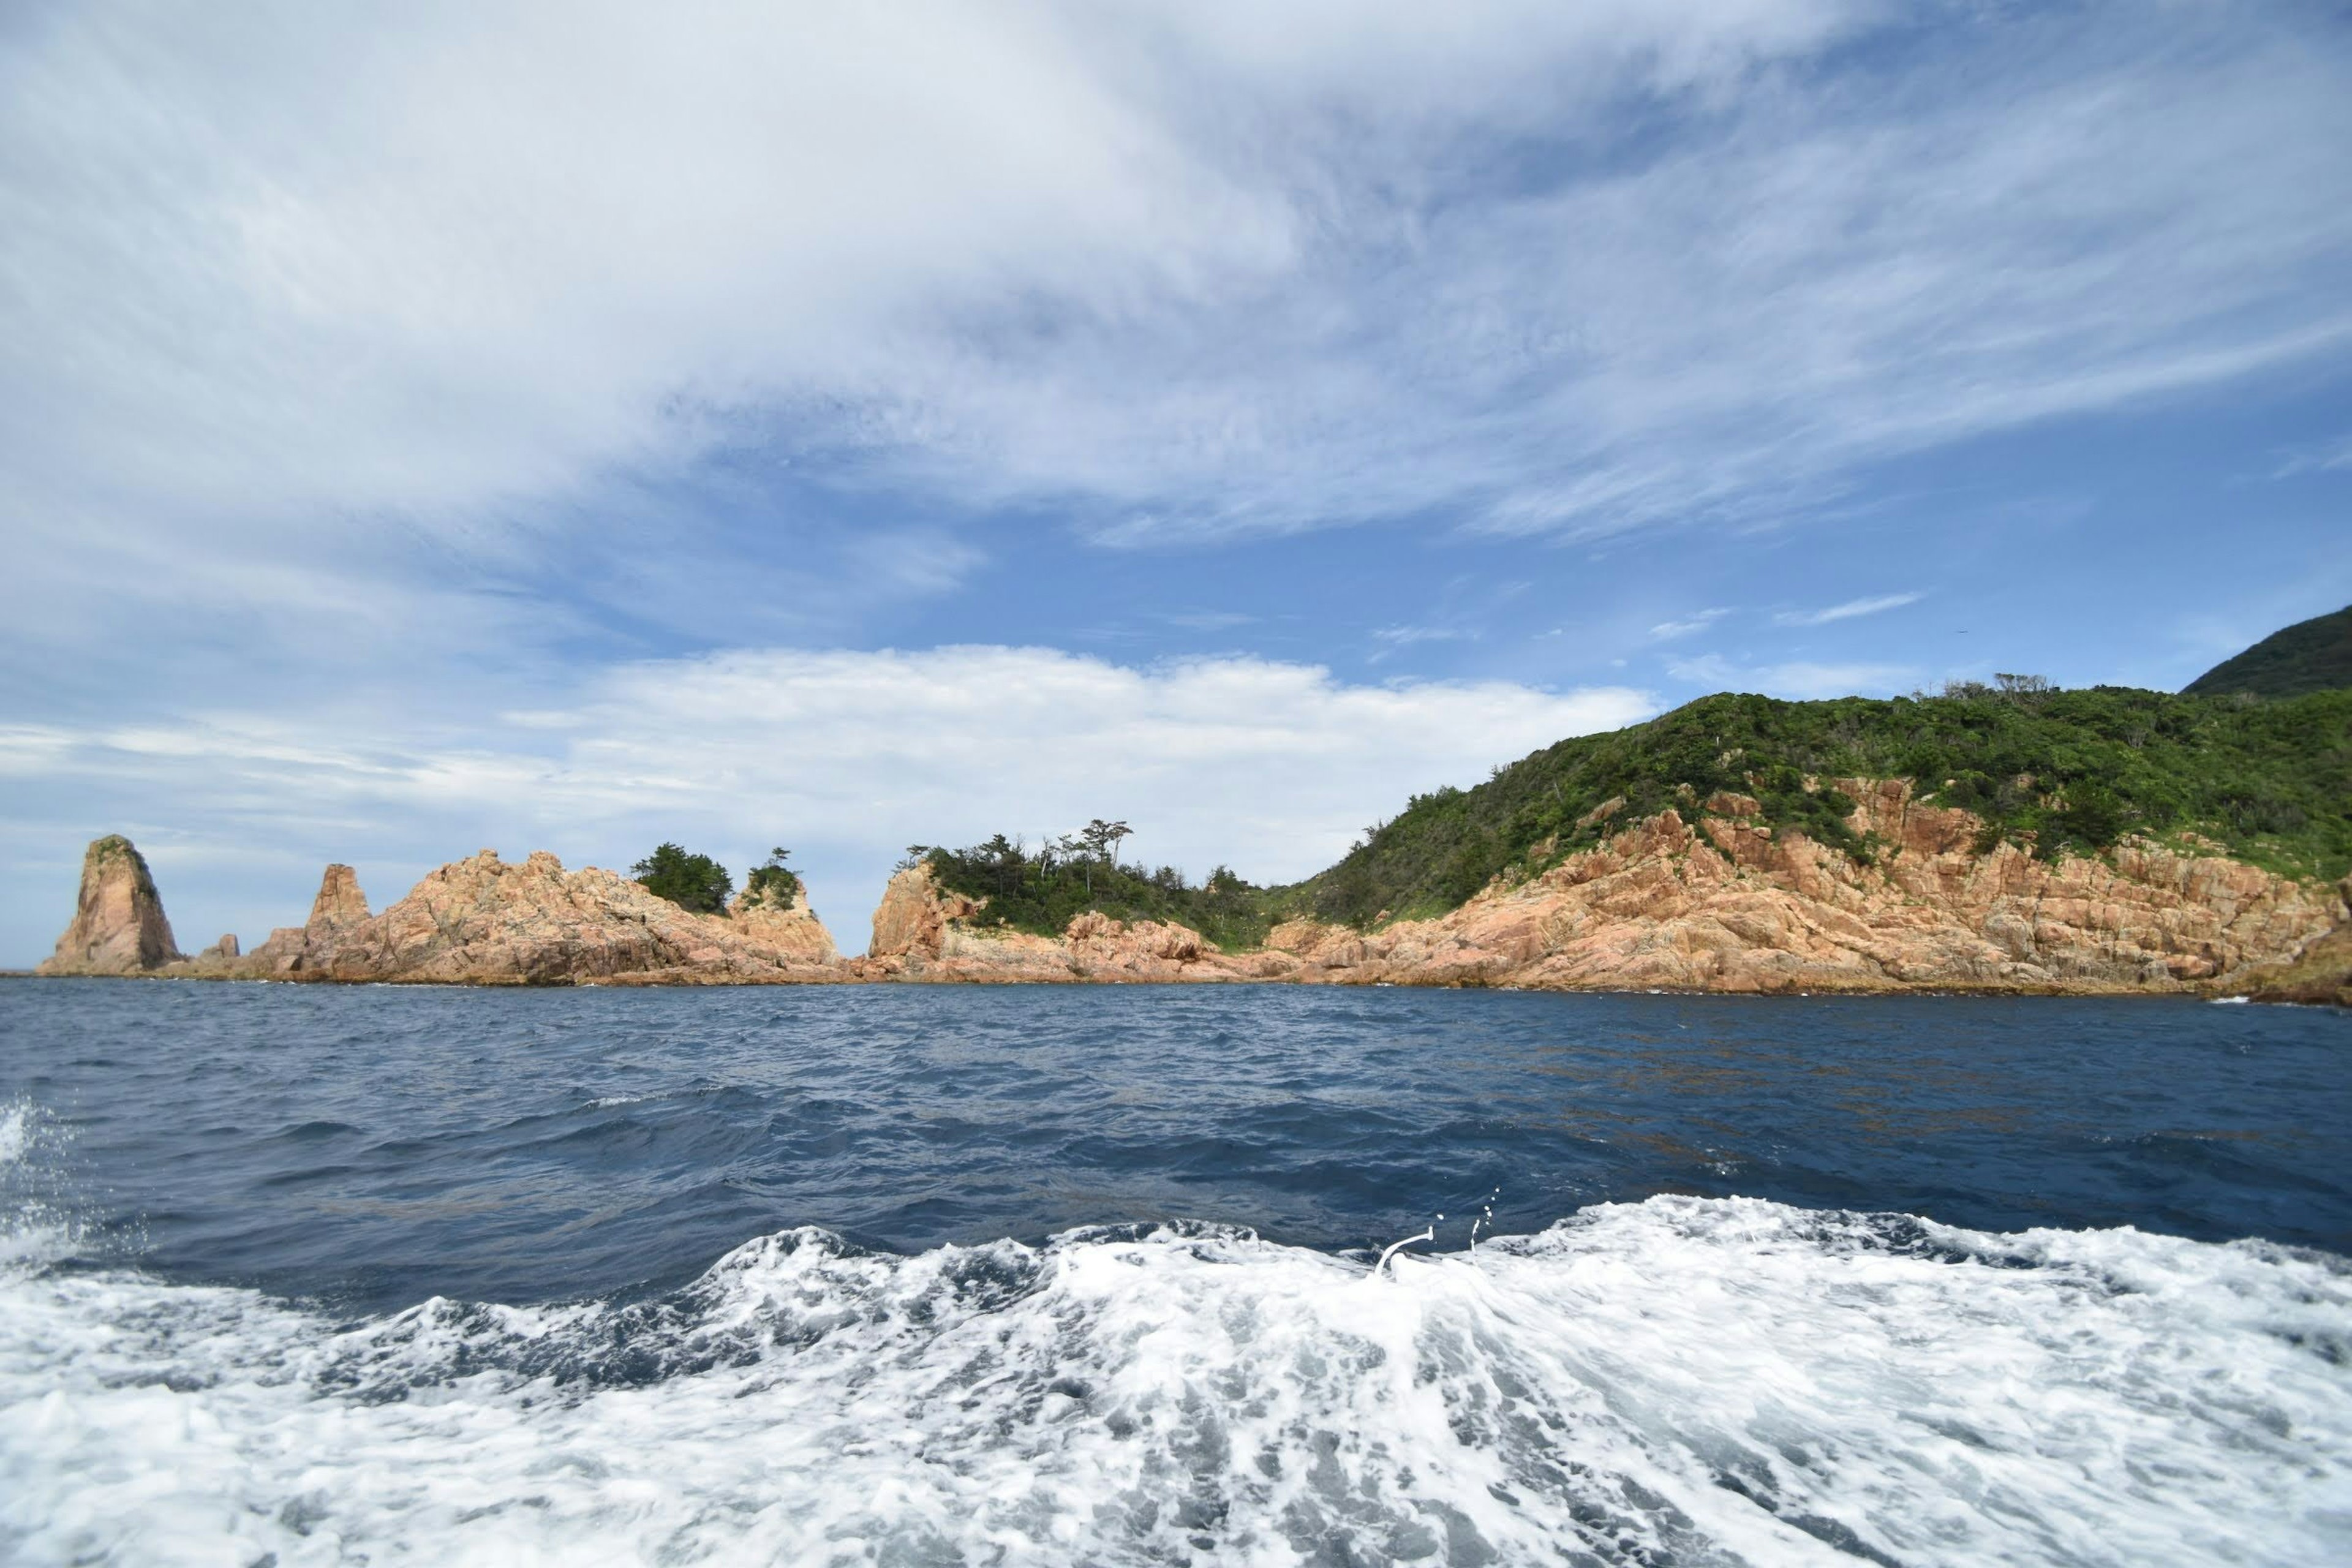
{"x":1729,"y":904}
{"x":477,"y":921}
{"x":1733,"y":905}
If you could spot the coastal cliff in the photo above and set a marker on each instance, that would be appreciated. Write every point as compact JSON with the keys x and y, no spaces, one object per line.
{"x":1729,"y":903}
{"x":925,"y":932}
{"x":1735,"y":905}
{"x":1725,"y":903}
{"x":483,"y":921}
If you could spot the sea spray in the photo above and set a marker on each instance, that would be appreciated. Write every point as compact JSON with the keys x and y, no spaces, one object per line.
{"x":1706,"y":1379}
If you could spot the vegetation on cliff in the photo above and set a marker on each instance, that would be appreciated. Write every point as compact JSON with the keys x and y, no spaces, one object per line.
{"x":2310,"y":655}
{"x":773,"y":883}
{"x":693,"y":882}
{"x":2060,"y":772}
{"x":1041,"y":890}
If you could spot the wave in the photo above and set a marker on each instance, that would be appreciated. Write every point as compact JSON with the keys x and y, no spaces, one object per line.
{"x":1686,"y":1380}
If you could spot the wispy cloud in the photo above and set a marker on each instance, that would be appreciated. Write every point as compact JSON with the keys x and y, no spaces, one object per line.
{"x":278,"y":296}
{"x":1667,"y":630}
{"x":1847,"y":611}
{"x":846,"y":756}
{"x":2326,"y":456}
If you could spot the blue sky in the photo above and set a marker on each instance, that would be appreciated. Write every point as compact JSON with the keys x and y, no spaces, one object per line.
{"x":576,"y":426}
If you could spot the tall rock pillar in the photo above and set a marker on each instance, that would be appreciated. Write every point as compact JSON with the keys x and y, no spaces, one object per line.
{"x":119,"y":927}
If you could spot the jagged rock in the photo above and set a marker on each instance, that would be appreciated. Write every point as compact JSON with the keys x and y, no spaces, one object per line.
{"x":790,"y":927}
{"x":339,"y":909}
{"x":482,"y":922}
{"x":227,"y":947}
{"x":911,"y":920}
{"x":1736,"y":906}
{"x":2321,"y":974}
{"x":923,"y":932}
{"x":340,"y":904}
{"x":119,"y":927}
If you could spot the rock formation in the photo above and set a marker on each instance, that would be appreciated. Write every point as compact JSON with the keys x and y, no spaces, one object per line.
{"x":2321,"y":974}
{"x":1729,"y":904}
{"x":118,"y":926}
{"x":790,"y":927}
{"x":923,"y":932}
{"x":340,"y":904}
{"x":1734,"y":906}
{"x":482,"y":922}
{"x":339,"y":909}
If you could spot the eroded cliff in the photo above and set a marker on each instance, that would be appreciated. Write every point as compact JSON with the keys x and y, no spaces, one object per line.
{"x":925,"y":932}
{"x":1733,"y":905}
{"x":486,"y":922}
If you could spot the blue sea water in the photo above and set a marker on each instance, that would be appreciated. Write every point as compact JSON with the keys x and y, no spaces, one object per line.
{"x":1032,"y":1275}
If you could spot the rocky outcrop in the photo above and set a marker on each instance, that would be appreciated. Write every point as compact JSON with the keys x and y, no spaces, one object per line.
{"x":340,"y":904}
{"x":788,"y":926}
{"x":2320,"y":975}
{"x":339,"y":909}
{"x":485,"y":923}
{"x":926,"y":932}
{"x":225,"y":948}
{"x":119,"y":926}
{"x":1734,"y":905}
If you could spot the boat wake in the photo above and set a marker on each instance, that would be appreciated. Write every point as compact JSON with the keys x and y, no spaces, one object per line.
{"x":1680,"y":1381}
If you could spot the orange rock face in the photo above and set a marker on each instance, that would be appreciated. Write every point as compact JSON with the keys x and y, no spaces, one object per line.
{"x":118,"y":926}
{"x":1738,"y":907}
{"x":925,"y":932}
{"x":790,"y":928}
{"x":483,"y":922}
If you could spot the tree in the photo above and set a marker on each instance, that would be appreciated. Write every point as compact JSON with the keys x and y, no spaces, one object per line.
{"x":773,"y":883}
{"x":694,"y":882}
{"x":1103,"y":837}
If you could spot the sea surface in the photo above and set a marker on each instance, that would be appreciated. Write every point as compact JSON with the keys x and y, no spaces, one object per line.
{"x":939,"y":1276}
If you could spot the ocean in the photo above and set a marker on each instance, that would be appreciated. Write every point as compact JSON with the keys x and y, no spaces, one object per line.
{"x":297,"y":1275}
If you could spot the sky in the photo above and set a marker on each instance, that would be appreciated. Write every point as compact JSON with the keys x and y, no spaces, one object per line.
{"x":578,"y":426}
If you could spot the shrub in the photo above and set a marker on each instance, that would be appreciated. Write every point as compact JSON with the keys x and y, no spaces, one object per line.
{"x":1042,"y":890}
{"x":773,"y":883}
{"x":694,"y":882}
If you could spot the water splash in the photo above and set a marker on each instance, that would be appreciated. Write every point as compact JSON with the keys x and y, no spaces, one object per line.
{"x":1694,"y":1380}
{"x":1429,"y":1234}
{"x":1486,"y":1217}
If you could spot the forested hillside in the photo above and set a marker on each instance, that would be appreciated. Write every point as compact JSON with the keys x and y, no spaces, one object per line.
{"x":2060,"y":772}
{"x":2310,"y":655}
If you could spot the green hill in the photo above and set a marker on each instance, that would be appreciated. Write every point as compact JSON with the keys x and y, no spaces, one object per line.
{"x":2064,"y":772}
{"x":2310,"y":655}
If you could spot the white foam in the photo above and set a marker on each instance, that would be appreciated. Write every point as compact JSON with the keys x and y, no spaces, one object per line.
{"x":15,"y":1131}
{"x":1710,"y":1381}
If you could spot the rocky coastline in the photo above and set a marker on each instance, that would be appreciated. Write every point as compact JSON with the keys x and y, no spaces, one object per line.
{"x":1719,"y":902}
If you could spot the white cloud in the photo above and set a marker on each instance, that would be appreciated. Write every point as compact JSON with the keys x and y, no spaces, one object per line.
{"x":1392,"y":639}
{"x":1667,"y":630}
{"x":1847,"y":611}
{"x":1206,"y":270}
{"x":845,"y":757}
